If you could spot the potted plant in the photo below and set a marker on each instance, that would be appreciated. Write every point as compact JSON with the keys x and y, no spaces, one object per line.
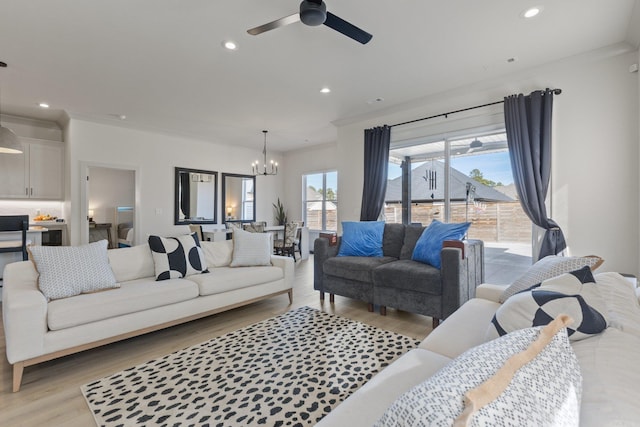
{"x":280,"y":214}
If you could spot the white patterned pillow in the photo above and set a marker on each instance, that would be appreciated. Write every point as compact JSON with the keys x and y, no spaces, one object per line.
{"x":575,"y":294}
{"x":250,"y":249}
{"x":176,"y":257}
{"x":66,"y":271}
{"x":543,"y":389}
{"x":548,"y":267}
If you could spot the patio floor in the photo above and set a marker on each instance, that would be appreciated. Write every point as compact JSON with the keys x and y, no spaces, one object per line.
{"x":504,"y":262}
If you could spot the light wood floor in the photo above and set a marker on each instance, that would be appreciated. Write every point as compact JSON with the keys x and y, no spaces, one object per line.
{"x":50,"y":393}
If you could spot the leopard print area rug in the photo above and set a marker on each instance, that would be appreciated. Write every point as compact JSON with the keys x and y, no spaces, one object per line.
{"x":290,"y":370}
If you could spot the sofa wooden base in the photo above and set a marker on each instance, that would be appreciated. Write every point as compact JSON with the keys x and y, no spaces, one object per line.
{"x":18,"y":367}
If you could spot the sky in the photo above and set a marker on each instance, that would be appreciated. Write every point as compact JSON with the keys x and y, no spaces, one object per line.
{"x":494,"y":166}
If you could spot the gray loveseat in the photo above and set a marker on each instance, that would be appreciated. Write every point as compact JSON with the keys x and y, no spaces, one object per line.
{"x":394,"y":280}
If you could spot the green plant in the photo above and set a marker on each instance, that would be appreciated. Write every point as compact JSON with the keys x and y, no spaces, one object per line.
{"x":280,"y":213}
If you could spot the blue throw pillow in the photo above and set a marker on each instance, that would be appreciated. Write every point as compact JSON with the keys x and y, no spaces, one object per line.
{"x":361,"y":238}
{"x":429,"y":244}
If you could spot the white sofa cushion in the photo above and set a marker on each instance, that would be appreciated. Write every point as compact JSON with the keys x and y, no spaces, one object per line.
{"x":541,"y":389}
{"x":609,"y":365}
{"x":465,"y":328}
{"x":217,"y":254}
{"x":131,"y":263}
{"x":225,"y":279}
{"x":138,"y":295}
{"x":66,"y":271}
{"x":619,"y":295}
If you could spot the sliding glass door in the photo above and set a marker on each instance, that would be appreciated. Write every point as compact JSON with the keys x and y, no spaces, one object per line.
{"x":457,"y":179}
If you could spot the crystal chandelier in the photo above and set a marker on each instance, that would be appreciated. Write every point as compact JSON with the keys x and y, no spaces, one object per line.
{"x":255,"y":166}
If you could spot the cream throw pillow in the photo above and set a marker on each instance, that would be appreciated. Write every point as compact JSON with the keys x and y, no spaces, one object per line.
{"x":66,"y":271}
{"x":217,"y":254}
{"x":250,"y":249}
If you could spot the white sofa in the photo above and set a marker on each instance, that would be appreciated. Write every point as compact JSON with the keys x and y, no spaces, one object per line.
{"x":608,"y":361}
{"x":37,"y":330}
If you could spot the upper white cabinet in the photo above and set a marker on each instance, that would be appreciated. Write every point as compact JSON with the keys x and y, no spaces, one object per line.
{"x":37,"y":173}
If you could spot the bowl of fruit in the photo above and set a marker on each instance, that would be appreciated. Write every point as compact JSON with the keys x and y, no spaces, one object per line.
{"x":44,"y":218}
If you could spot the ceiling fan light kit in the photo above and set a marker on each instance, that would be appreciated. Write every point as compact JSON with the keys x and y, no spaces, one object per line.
{"x":314,"y":13}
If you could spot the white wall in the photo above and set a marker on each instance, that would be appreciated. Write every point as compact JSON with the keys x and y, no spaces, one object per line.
{"x":319,"y":158}
{"x":155,"y":155}
{"x":595,"y":181}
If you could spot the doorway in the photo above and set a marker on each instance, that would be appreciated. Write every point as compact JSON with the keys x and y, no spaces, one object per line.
{"x":110,"y":205}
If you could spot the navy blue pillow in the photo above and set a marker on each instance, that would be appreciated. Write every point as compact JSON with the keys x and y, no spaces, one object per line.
{"x":429,"y":244}
{"x":361,"y":238}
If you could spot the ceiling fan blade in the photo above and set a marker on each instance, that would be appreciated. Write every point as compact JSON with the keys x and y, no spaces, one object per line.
{"x":346,"y":28}
{"x":274,"y":24}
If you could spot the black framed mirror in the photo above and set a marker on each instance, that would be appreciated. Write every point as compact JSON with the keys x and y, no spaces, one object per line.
{"x":238,"y":197}
{"x":196,"y":195}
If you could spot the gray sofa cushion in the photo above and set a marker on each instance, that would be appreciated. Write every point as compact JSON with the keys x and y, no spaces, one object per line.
{"x":411,"y":235}
{"x":409,"y":275}
{"x":393,"y":239}
{"x":354,"y":267}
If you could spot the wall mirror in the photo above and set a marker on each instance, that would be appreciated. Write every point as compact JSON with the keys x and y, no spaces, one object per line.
{"x":195,"y":196}
{"x":239,"y":197}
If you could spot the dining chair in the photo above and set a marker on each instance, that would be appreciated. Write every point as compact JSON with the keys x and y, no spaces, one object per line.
{"x":297,"y":243}
{"x":195,"y":228}
{"x":255,"y":227}
{"x":286,"y":245}
{"x":15,"y":223}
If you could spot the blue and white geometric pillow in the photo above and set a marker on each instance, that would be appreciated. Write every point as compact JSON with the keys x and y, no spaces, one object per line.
{"x":176,"y":257}
{"x":575,"y":294}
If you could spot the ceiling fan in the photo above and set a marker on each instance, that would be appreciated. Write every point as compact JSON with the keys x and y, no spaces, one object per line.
{"x":313,"y":13}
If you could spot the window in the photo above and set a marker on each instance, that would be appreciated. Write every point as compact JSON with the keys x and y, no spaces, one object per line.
{"x":247,"y":199}
{"x":320,"y":201}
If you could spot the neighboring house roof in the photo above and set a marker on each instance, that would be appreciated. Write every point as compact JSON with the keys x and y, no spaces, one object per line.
{"x":509,"y":190}
{"x":458,"y":186}
{"x":317,"y":206}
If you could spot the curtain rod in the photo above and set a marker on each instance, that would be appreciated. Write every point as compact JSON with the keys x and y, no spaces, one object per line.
{"x":445,"y":115}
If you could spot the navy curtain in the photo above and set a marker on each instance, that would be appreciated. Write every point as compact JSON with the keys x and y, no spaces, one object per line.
{"x":376,"y":158}
{"x":528,"y":124}
{"x":185,"y":195}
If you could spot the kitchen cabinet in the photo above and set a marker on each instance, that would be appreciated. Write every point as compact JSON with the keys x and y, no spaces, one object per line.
{"x":37,"y":173}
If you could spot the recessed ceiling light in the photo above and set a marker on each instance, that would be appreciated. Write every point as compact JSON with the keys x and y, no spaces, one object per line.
{"x":122,"y":117}
{"x":230,"y":45}
{"x":325,"y":90}
{"x":43,"y":105}
{"x":531,"y":12}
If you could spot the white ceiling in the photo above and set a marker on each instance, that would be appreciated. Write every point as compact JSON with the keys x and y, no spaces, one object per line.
{"x":161,"y":63}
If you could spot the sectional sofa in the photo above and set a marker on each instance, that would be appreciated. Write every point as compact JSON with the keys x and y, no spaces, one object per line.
{"x":607,"y":361}
{"x":37,"y":330}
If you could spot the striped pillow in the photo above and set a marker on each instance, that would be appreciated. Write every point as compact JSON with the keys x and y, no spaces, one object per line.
{"x":250,"y":249}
